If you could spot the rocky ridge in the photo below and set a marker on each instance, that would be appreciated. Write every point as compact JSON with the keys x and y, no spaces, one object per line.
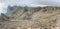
{"x":32,"y":17}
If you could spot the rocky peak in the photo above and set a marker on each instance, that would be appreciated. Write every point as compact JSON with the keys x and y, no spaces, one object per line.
{"x":34,"y":17}
{"x":27,"y":12}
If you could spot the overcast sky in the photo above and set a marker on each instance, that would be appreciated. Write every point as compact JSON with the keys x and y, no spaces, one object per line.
{"x":5,"y":3}
{"x":31,"y":2}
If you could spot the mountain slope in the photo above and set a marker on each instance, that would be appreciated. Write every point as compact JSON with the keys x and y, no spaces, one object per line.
{"x":33,"y":17}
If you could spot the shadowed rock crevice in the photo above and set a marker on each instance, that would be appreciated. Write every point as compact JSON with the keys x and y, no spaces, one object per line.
{"x":3,"y":17}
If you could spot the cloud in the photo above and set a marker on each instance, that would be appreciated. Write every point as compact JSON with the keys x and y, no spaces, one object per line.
{"x":3,"y":8}
{"x":28,"y":2}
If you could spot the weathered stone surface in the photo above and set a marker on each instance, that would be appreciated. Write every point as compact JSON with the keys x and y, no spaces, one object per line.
{"x":31,"y":18}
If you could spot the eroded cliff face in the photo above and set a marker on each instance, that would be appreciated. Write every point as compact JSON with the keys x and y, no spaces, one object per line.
{"x":33,"y":18}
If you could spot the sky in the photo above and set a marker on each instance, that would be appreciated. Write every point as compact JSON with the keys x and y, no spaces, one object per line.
{"x":31,"y":2}
{"x":3,"y":8}
{"x":5,"y":3}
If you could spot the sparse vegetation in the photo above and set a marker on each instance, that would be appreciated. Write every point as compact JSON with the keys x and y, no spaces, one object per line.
{"x":33,"y":17}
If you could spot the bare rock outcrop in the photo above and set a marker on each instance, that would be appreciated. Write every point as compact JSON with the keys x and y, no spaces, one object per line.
{"x":31,"y":18}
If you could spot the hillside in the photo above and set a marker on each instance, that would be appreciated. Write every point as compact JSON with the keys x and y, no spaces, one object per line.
{"x":32,"y":18}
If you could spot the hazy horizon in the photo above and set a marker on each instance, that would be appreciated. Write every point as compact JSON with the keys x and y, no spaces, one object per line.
{"x":4,"y":3}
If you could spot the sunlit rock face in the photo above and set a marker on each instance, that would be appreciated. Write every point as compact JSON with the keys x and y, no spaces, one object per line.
{"x":32,"y":18}
{"x":16,"y":11}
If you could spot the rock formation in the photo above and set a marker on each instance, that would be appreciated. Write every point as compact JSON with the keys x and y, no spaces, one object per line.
{"x":32,"y":17}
